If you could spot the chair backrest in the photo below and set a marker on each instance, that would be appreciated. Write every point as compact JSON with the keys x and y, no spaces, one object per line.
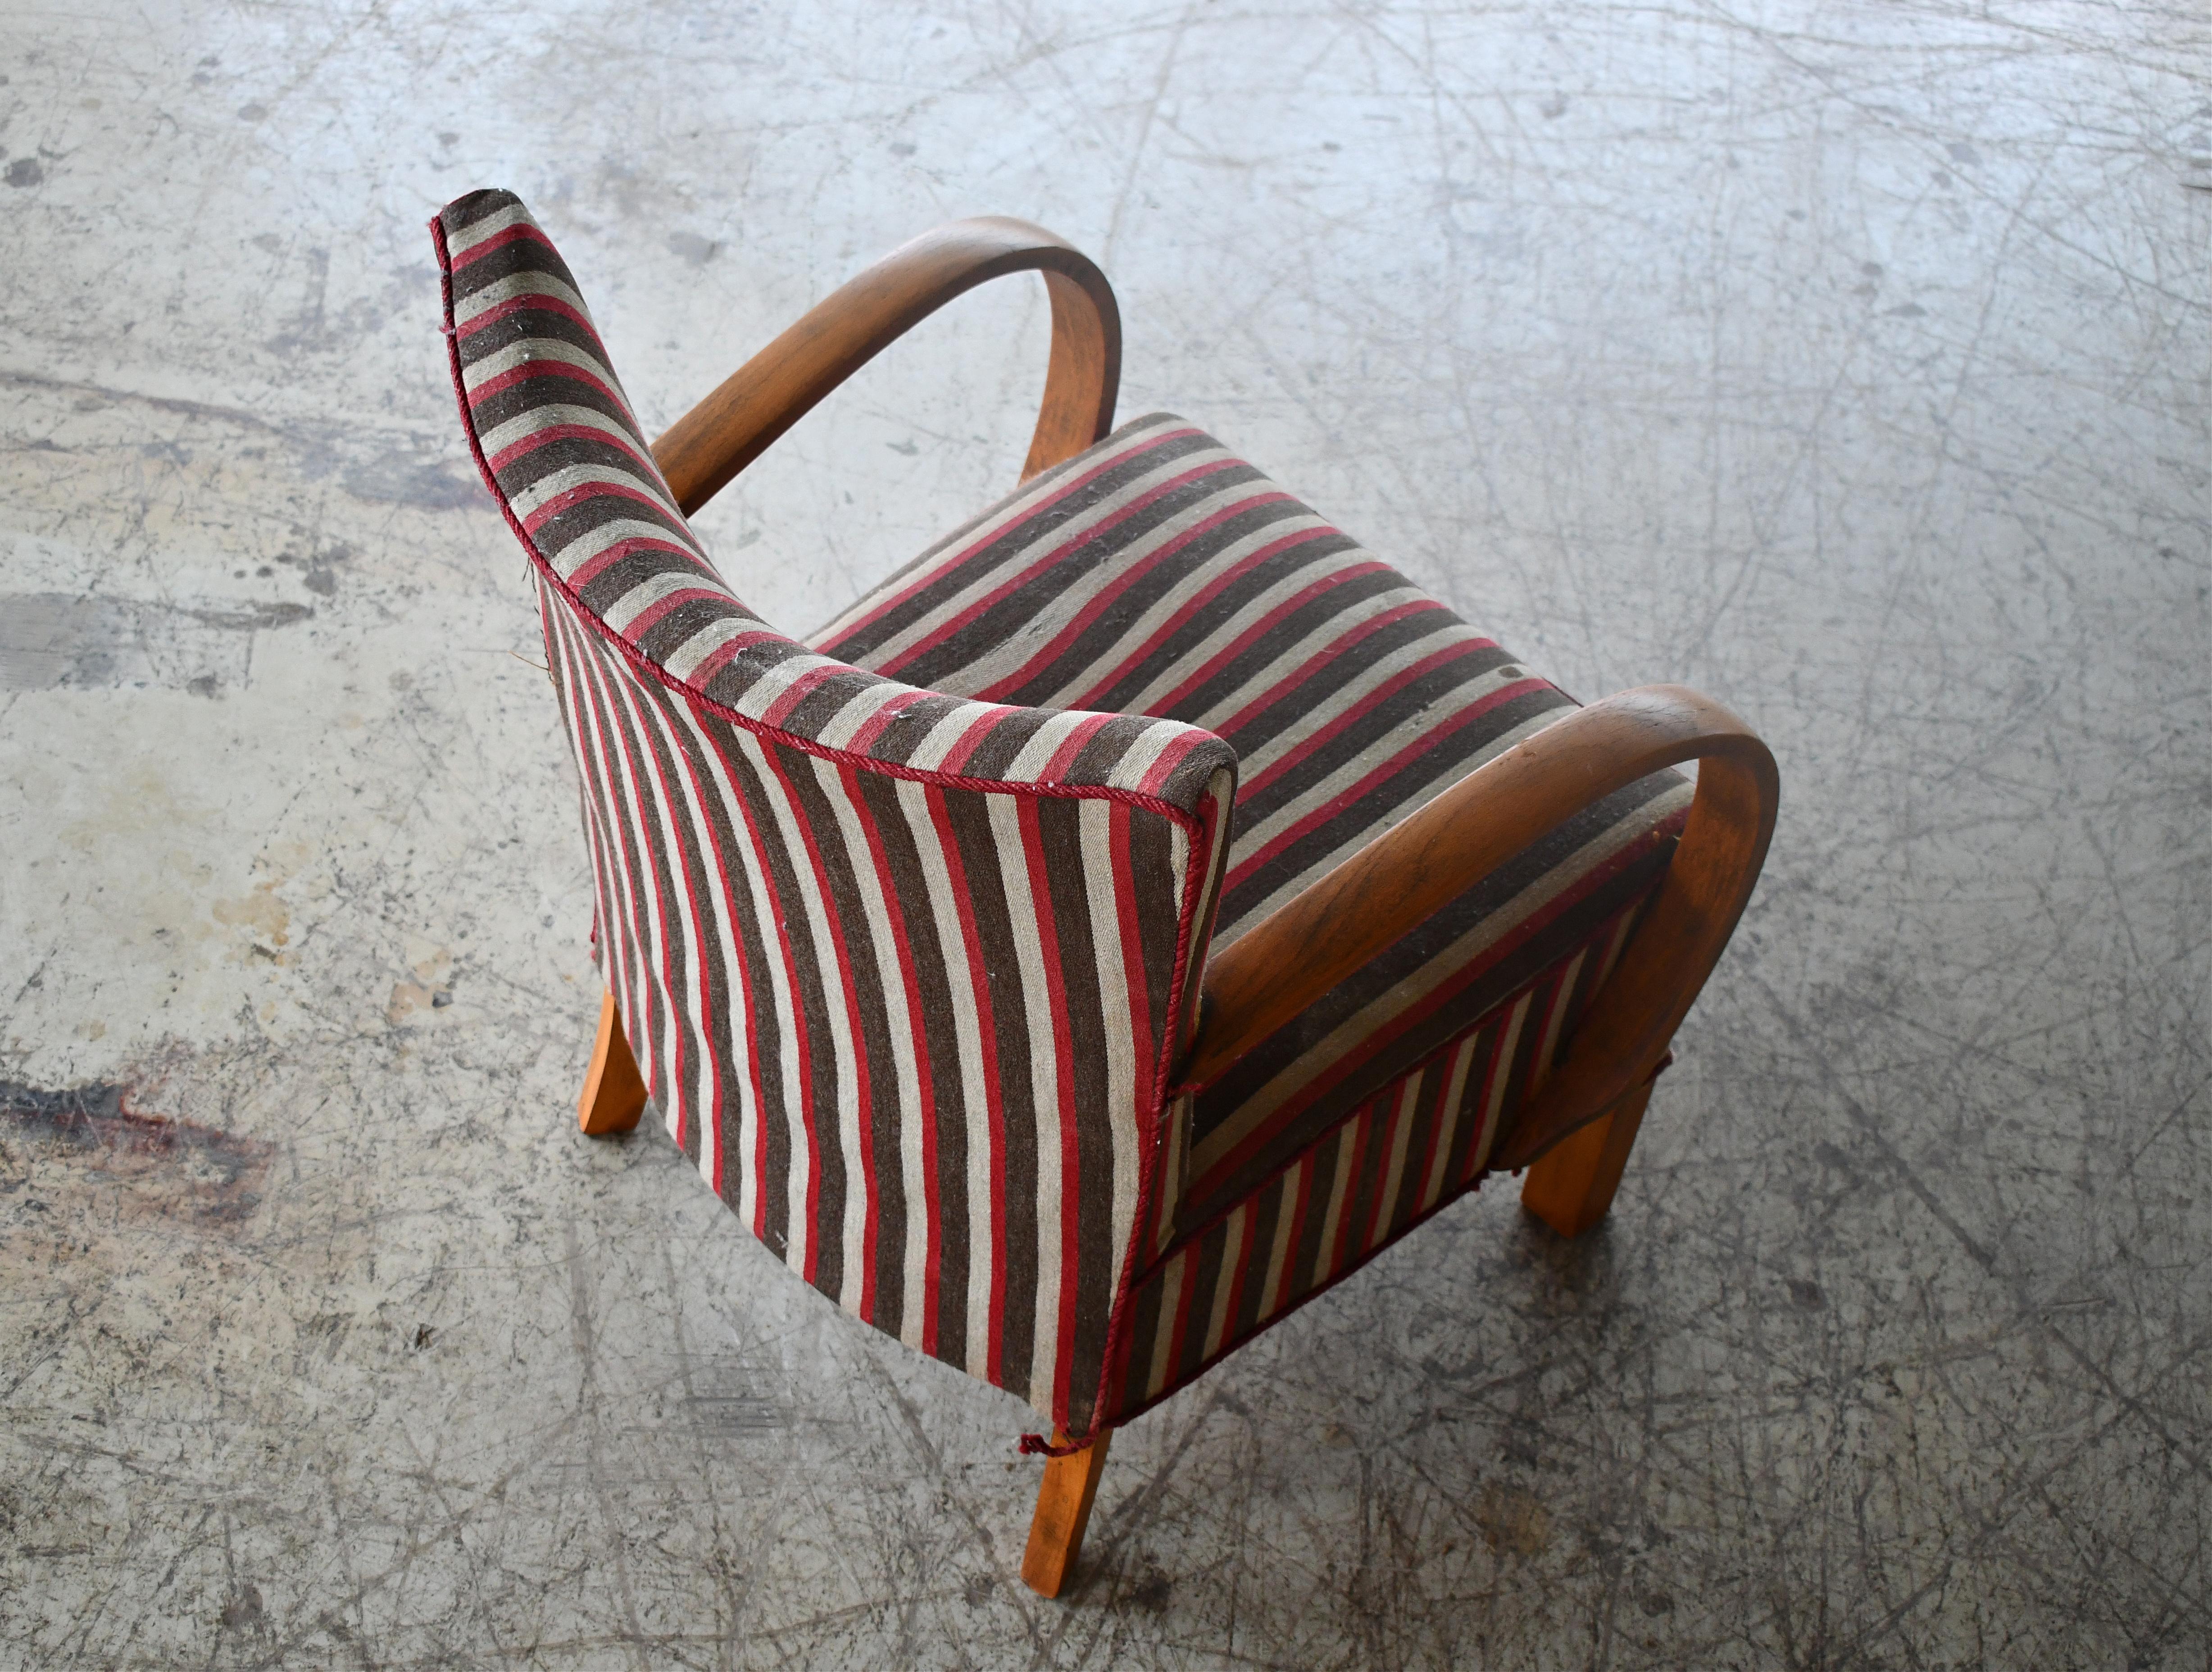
{"x":906,"y":974}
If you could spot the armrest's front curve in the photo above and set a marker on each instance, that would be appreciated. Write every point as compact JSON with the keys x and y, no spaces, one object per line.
{"x":1275,"y":970}
{"x":739,"y":422}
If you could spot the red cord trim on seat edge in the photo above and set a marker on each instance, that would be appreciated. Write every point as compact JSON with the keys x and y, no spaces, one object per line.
{"x":1189,"y":823}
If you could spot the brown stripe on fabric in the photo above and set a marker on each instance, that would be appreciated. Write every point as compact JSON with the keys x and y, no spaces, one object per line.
{"x":1133,"y":558}
{"x":1081,"y":1021}
{"x":756,"y":911}
{"x":1019,"y":546}
{"x":734,"y":681}
{"x":1416,"y":712}
{"x":1008,"y":735}
{"x":852,"y":993}
{"x":1039,"y":602}
{"x":552,"y":382}
{"x":693,"y":971}
{"x":945,"y":1156}
{"x":1190,"y":1345}
{"x":814,"y":1100}
{"x":518,"y":257}
{"x":1268,"y":1208}
{"x":1307,"y":1258}
{"x":742,"y":994}
{"x":1153,"y":870}
{"x":1317,"y":622}
{"x":851,"y":870}
{"x":1134,"y":1373}
{"x":1423,"y":1127}
{"x":596,"y":454}
{"x":954,"y":1275}
{"x":533,"y":322}
{"x":1019,"y":1033}
{"x":678,"y":624}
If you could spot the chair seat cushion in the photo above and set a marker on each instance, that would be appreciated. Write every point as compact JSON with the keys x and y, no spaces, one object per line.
{"x":1158,"y":574}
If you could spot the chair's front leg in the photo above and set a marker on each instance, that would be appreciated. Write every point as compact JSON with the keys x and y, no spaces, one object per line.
{"x":614,"y":1090}
{"x":1063,"y":1510}
{"x":1569,"y":1186}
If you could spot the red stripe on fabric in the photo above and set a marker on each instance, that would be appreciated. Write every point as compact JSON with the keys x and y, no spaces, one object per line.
{"x":1535,"y":923}
{"x":521,"y":231}
{"x":1209,"y":829}
{"x":1381,"y":774}
{"x":1077,"y":738}
{"x":719,"y":658}
{"x":1444,"y":656}
{"x":953,"y":625}
{"x":547,"y":434}
{"x":1063,"y":1058}
{"x":798,"y":689}
{"x":1061,"y":490}
{"x":1329,"y":653}
{"x":802,"y":1041}
{"x":570,"y":498}
{"x":600,"y":562}
{"x":533,"y":301}
{"x":650,"y":616}
{"x":991,"y":1091}
{"x":1236,"y":647}
{"x":1104,"y":599}
{"x":977,"y":732}
{"x":924,"y":1070}
{"x":477,"y":394}
{"x":862,"y":1086}
{"x":1363,"y":1135}
{"x":741,"y":973}
{"x":671,"y":804}
{"x":1244,"y":1267}
{"x":864,"y":736}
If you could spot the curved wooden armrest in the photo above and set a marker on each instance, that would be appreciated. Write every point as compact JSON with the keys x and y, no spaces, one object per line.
{"x":1300,"y":951}
{"x":771,"y":391}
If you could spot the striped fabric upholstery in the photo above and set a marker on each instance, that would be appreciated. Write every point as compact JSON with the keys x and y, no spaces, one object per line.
{"x":903,"y":927}
{"x":1159,"y":573}
{"x":901,"y":968}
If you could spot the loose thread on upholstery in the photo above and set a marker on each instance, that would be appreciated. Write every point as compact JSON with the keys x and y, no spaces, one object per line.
{"x":1037,"y":1445}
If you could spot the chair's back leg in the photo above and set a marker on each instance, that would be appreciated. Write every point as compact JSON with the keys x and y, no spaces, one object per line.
{"x":614,"y":1090}
{"x":1063,"y":1510}
{"x":1570,"y":1185}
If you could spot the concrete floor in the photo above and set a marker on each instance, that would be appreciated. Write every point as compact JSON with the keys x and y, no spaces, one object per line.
{"x":1847,"y":361}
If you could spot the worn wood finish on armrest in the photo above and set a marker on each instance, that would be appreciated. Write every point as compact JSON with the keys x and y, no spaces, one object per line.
{"x":1282,"y":965}
{"x":734,"y":426}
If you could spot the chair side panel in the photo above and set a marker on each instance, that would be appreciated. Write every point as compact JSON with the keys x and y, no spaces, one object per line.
{"x":1401,"y":1155}
{"x":911,"y":1032}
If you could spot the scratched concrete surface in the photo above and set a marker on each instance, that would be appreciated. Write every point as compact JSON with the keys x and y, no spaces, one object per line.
{"x":1849,"y":361}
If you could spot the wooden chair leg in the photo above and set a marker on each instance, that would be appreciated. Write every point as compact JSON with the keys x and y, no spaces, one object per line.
{"x":1063,"y":1510}
{"x":614,"y":1090}
{"x":1570,"y":1185}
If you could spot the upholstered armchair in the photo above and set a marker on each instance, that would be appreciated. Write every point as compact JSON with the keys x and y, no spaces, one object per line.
{"x":1128,"y":918}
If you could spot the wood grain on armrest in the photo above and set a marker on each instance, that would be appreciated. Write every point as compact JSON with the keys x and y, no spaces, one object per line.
{"x":1282,"y":965}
